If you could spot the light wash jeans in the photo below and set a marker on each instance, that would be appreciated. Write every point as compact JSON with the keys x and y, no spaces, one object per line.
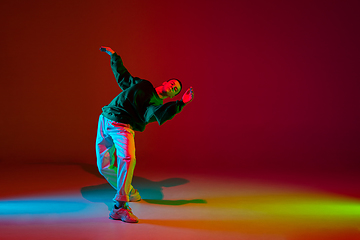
{"x":117,"y":136}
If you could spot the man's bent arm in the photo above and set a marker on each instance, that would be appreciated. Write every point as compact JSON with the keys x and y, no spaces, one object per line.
{"x":167,"y":111}
{"x":122,"y":75}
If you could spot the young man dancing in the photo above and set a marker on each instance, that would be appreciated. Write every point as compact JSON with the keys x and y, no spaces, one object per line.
{"x":138,"y":104}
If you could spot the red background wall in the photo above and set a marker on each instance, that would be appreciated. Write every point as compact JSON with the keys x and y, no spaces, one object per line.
{"x":276,"y":82}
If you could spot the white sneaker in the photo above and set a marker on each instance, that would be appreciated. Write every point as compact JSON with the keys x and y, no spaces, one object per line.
{"x":124,"y":214}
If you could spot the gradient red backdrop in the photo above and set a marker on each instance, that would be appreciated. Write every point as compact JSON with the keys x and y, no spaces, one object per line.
{"x":276,"y":82}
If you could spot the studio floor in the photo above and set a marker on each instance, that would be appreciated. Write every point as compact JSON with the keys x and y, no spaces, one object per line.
{"x":72,"y":201}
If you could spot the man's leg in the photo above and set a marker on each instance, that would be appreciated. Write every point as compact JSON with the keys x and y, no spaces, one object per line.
{"x":123,"y":138}
{"x":105,"y":149}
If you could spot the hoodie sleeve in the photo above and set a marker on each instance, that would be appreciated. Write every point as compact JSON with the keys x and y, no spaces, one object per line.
{"x":122,"y":75}
{"x":167,"y":111}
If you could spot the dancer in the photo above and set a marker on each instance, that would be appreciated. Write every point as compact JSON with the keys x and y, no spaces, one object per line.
{"x":138,"y":104}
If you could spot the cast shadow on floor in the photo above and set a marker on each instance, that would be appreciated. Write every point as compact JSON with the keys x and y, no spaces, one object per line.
{"x":150,"y":191}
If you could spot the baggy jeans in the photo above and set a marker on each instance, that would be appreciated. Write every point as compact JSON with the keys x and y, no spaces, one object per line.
{"x":117,"y":136}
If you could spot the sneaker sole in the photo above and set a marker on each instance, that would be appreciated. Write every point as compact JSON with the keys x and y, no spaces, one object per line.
{"x":122,"y":220}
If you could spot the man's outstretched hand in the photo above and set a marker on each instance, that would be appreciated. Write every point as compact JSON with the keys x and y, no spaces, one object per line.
{"x":107,"y":50}
{"x":188,"y":96}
